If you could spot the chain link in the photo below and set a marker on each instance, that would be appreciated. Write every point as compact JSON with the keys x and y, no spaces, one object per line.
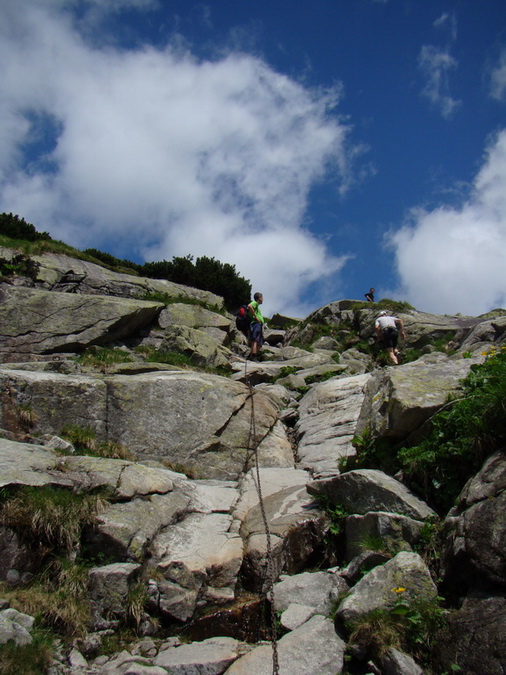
{"x":268,"y":586}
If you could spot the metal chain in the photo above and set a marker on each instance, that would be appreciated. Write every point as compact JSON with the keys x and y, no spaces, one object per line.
{"x":269,"y":580}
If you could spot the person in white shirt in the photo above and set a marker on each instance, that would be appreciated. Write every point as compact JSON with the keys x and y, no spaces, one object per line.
{"x":388,"y":328}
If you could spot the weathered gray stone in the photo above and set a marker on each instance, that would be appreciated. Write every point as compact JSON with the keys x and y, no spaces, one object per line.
{"x":319,"y":590}
{"x":491,"y":331}
{"x":54,"y":401}
{"x":211,"y":656}
{"x":198,"y":345}
{"x":366,"y":490}
{"x":40,"y":322}
{"x":24,"y":464}
{"x":173,"y":600}
{"x":395,"y":531}
{"x":97,"y":280}
{"x":312,"y":648}
{"x":271,"y":481}
{"x":475,"y":545}
{"x":199,"y":551}
{"x":380,"y":587}
{"x":394,"y":662}
{"x":108,"y":590}
{"x":295,"y":615}
{"x":193,"y":316}
{"x":126,"y":479}
{"x":125,"y":529}
{"x":125,"y":663}
{"x":475,"y":640}
{"x":363,"y":562}
{"x":215,"y":446}
{"x":328,"y":416}
{"x":15,"y":626}
{"x":17,"y":562}
{"x":296,"y":529}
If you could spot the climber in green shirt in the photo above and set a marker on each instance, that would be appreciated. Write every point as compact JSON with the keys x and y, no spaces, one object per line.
{"x":256,"y":337}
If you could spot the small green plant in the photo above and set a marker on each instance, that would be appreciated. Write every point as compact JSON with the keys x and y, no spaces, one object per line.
{"x":136,"y":601}
{"x":285,"y":371}
{"x":19,"y":265}
{"x":462,"y":435}
{"x":27,"y":416}
{"x":102,"y":357}
{"x":385,"y":545}
{"x":323,"y":377}
{"x":430,"y":543}
{"x":372,"y":453}
{"x":170,"y":358}
{"x":84,"y":440}
{"x":394,"y":306}
{"x":336,"y":512}
{"x":31,"y":659}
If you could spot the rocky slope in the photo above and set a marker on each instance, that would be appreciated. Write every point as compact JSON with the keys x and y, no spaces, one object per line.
{"x":187,"y":458}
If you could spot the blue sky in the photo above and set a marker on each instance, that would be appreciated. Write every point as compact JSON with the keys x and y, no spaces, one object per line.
{"x":321,"y":147}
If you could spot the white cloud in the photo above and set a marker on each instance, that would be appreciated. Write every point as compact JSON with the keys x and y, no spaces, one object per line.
{"x":156,"y":150}
{"x":498,"y":79}
{"x":447,"y":21}
{"x":453,"y":259}
{"x":435,"y":65}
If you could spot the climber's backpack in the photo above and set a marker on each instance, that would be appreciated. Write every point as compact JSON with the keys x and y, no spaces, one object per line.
{"x":243,"y":319}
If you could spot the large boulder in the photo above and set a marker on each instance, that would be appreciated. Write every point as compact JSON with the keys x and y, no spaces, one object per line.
{"x":296,"y":531}
{"x":53,"y":400}
{"x":396,"y":532}
{"x":199,"y":421}
{"x":475,"y":546}
{"x":64,"y":273}
{"x":404,"y":575}
{"x":399,"y":400}
{"x":475,"y":638}
{"x":312,"y":648}
{"x":366,"y":490}
{"x":199,"y":555}
{"x":34,"y":321}
{"x":193,"y":316}
{"x":328,"y":416}
{"x":203,"y":349}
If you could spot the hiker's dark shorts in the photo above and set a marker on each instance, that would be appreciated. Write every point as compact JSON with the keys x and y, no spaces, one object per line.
{"x":256,"y":333}
{"x":389,"y":337}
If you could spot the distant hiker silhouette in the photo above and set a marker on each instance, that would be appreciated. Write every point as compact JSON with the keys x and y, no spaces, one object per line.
{"x":370,"y":295}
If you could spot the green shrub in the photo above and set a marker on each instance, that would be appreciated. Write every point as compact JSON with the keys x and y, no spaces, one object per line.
{"x":411,"y":624}
{"x":20,"y":265}
{"x":14,"y":227}
{"x":205,"y":273}
{"x":463,"y":434}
